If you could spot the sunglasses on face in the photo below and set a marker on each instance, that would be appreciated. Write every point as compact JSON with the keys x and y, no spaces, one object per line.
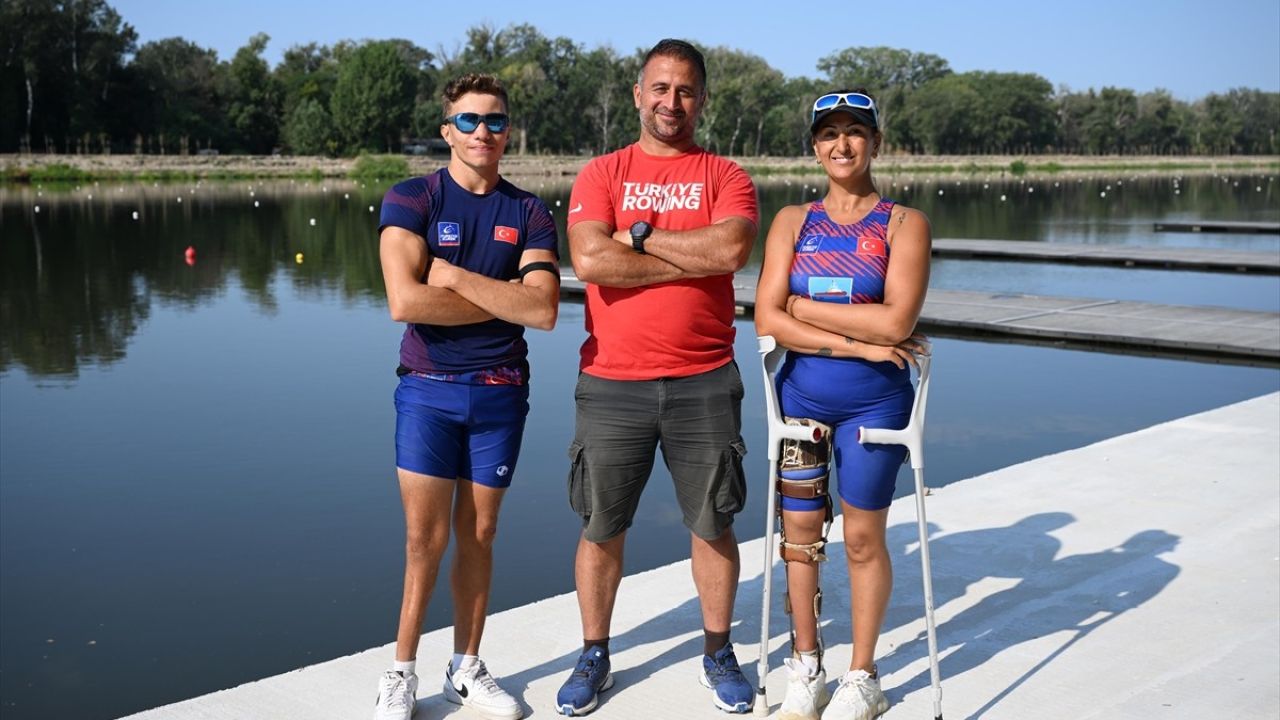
{"x":468,"y":122}
{"x":853,"y":100}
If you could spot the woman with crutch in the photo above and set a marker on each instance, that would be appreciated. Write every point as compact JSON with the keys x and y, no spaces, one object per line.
{"x":841,"y":287}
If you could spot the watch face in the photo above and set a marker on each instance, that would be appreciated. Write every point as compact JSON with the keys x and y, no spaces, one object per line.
{"x":641,"y":230}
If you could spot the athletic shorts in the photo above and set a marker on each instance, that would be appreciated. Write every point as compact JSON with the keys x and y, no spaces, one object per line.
{"x":696,"y":421}
{"x":457,"y":430}
{"x":845,"y":395}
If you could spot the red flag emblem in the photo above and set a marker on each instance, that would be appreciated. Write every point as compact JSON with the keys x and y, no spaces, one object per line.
{"x":871,"y":246}
{"x":508,"y":235}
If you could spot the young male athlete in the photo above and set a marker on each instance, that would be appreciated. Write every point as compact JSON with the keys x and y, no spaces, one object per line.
{"x":657,"y":230}
{"x":469,"y":260}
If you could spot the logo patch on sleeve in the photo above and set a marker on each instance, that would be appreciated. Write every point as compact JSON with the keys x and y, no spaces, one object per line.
{"x":508,"y":235}
{"x":448,"y":234}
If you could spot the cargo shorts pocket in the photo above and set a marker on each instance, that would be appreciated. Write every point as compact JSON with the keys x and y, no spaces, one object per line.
{"x":579,"y":493}
{"x":731,"y":491}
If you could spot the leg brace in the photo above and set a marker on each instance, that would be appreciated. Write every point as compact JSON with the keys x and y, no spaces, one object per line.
{"x":803,"y":473}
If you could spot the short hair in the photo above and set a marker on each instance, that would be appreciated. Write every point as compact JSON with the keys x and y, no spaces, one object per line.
{"x":681,"y":50}
{"x":473,"y":83}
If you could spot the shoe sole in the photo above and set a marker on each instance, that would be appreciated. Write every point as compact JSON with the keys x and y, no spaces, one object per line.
{"x":452,"y":696}
{"x":737,"y":709}
{"x":571,"y":711}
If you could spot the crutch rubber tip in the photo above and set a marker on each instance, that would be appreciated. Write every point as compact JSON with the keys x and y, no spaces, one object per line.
{"x":762,"y":705}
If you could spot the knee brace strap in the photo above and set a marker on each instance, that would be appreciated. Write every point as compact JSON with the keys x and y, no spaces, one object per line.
{"x":803,"y":489}
{"x":810,"y":553}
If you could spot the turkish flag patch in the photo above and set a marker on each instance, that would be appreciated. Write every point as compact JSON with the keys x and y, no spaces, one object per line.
{"x":871,"y":246}
{"x":508,"y":235}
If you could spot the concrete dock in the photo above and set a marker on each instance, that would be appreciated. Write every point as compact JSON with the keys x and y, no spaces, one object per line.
{"x":1223,"y":334}
{"x":1168,"y":258}
{"x":1138,"y":577}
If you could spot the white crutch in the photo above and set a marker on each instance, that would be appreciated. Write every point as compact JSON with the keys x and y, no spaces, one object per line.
{"x":912,"y":436}
{"x":771,"y":357}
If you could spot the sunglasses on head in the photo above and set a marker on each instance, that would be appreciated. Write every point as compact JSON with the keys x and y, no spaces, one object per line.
{"x":852,"y":99}
{"x":468,"y":122}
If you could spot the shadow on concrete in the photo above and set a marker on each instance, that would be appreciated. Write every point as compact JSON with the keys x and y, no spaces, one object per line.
{"x":1076,"y":593}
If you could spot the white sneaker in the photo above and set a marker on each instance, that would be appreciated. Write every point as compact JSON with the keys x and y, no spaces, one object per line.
{"x":473,"y":687}
{"x":805,"y":693}
{"x":857,"y":698}
{"x":396,"y":696}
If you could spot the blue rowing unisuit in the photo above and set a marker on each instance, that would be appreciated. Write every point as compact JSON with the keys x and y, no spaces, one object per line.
{"x":846,"y":264}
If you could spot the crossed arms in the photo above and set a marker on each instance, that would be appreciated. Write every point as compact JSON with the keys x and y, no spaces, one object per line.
{"x":873,"y":331}
{"x":603,"y":256}
{"x":454,"y":296}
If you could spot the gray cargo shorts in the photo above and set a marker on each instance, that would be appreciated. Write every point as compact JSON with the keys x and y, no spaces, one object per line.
{"x":696,"y":420}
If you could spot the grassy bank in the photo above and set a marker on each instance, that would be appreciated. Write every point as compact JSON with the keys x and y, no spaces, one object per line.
{"x":166,"y":168}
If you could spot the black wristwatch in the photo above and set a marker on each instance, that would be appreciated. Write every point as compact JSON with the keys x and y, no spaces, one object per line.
{"x":640,"y":231}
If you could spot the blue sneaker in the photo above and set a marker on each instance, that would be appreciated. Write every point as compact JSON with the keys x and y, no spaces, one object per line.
{"x":721,"y":673}
{"x":580,"y":693}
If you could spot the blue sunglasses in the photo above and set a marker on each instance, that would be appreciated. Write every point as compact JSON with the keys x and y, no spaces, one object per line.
{"x":853,"y":100}
{"x":468,"y":122}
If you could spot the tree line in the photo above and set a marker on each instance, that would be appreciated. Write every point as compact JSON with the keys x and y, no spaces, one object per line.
{"x":73,"y":79}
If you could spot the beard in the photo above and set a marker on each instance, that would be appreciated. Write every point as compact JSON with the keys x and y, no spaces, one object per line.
{"x":666,"y":127}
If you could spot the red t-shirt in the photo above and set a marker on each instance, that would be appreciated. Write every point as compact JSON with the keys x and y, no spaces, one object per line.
{"x":672,"y":329}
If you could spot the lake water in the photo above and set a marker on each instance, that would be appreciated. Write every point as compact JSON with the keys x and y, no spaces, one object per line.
{"x":196,"y":461}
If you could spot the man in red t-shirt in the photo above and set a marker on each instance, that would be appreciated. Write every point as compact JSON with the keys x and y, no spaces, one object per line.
{"x":657,"y":230}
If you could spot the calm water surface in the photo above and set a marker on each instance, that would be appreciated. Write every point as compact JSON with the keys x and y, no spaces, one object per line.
{"x":196,"y":461}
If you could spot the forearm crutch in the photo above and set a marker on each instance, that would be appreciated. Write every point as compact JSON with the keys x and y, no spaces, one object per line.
{"x":771,"y":358}
{"x":912,"y":436}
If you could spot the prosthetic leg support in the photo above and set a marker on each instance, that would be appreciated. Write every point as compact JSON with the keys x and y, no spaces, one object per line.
{"x":804,"y":473}
{"x":771,"y":358}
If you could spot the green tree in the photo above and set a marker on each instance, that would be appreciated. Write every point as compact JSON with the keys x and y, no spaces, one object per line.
{"x":890,"y":74}
{"x":253,"y":99}
{"x":182,"y":100}
{"x":373,"y":97}
{"x":306,"y":72}
{"x":309,"y":130}
{"x":61,"y":67}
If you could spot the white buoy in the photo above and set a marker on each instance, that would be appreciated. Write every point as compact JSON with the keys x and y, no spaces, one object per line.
{"x":255,"y":203}
{"x":370,"y":208}
{"x":939,"y":191}
{"x":557,"y":203}
{"x":313,"y":222}
{"x":179,"y":199}
{"x":346,"y":196}
{"x":1103,"y":193}
{"x":135,"y":214}
{"x":1003,"y":198}
{"x":37,"y":208}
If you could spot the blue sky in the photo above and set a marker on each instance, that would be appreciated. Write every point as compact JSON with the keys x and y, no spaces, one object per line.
{"x":1188,"y":48}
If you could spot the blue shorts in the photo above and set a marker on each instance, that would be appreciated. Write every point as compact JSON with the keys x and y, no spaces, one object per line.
{"x":457,"y":430}
{"x":846,"y":394}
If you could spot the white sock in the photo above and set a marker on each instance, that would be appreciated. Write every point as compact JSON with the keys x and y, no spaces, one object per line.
{"x":460,"y":661}
{"x":810,"y":660}
{"x":404,"y":667}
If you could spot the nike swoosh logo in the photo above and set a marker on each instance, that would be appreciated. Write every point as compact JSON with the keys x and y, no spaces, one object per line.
{"x":576,"y":208}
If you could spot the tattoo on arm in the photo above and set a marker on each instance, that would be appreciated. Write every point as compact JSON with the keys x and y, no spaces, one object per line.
{"x":824,"y":352}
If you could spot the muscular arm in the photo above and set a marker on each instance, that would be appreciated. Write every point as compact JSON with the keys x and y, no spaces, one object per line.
{"x":533,"y":302}
{"x":404,"y":258}
{"x":606,"y":258}
{"x":717,"y":249}
{"x":598,"y":258}
{"x":905,"y":284}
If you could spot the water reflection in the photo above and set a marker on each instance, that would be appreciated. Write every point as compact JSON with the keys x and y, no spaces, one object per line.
{"x":81,"y":276}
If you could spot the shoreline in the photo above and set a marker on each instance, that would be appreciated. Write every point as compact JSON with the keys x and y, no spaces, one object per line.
{"x":33,"y":168}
